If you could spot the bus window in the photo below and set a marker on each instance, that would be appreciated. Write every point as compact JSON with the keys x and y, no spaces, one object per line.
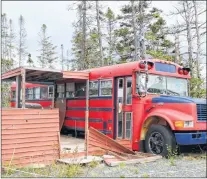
{"x":29,"y":93}
{"x":70,"y":90}
{"x":106,"y":88}
{"x":129,"y":90}
{"x":61,"y":90}
{"x":80,"y":89}
{"x":93,"y":88}
{"x":37,"y":93}
{"x":13,"y":95}
{"x":50,"y":91}
{"x":120,"y":90}
{"x":44,"y":93}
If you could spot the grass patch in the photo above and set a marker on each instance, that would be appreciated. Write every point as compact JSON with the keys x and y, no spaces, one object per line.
{"x":53,"y":170}
{"x":145,"y":175}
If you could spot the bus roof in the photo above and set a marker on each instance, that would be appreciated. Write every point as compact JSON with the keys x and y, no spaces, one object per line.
{"x":125,"y":69}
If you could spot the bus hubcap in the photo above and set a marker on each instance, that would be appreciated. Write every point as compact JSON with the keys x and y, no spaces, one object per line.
{"x":156,"y":143}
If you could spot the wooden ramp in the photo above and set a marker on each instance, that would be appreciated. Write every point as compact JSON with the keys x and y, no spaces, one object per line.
{"x":97,"y":139}
{"x":118,"y":151}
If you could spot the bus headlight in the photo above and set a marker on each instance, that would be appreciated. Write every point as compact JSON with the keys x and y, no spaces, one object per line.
{"x":184,"y":124}
{"x":188,"y":124}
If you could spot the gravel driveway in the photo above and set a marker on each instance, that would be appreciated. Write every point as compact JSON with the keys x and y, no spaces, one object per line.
{"x":181,"y":167}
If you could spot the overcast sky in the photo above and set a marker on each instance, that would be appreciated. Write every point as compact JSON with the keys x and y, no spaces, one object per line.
{"x":58,"y":19}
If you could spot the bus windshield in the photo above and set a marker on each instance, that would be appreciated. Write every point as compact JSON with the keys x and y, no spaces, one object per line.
{"x":165,"y":85}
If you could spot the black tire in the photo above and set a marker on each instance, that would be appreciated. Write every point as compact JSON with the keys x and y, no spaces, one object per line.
{"x":159,"y":140}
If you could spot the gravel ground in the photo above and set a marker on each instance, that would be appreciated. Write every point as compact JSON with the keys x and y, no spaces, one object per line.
{"x":182,"y":167}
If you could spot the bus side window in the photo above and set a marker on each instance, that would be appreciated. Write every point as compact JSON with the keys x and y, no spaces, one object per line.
{"x":61,"y":90}
{"x":129,"y":90}
{"x":70,"y":90}
{"x":44,"y":93}
{"x":37,"y":93}
{"x":106,"y":88}
{"x":50,"y":91}
{"x":13,"y":95}
{"x":93,"y":88}
{"x":80,"y":89}
{"x":29,"y":93}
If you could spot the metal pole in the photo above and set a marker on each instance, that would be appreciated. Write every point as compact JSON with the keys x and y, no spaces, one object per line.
{"x":18,"y":86}
{"x":53,"y":96}
{"x":23,"y":88}
{"x":86,"y":117}
{"x":62,"y":56}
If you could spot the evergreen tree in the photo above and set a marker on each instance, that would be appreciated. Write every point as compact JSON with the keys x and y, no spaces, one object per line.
{"x":47,"y":55}
{"x":22,"y":49}
{"x":30,"y":62}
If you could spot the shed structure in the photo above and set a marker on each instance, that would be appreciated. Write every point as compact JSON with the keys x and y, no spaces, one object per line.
{"x":38,"y":75}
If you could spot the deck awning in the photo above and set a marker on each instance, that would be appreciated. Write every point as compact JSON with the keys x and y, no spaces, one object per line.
{"x":43,"y":75}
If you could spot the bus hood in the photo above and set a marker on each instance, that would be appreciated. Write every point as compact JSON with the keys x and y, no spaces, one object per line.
{"x":177,"y":99}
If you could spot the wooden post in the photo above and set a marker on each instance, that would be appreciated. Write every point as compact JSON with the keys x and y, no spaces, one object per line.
{"x":53,"y":97}
{"x":86,"y":118}
{"x":23,"y":87}
{"x":18,"y":86}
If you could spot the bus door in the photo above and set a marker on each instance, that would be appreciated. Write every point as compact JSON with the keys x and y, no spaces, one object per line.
{"x":60,"y":102}
{"x":123,"y":108}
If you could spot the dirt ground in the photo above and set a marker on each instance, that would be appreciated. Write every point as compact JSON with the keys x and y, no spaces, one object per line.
{"x":71,"y":144}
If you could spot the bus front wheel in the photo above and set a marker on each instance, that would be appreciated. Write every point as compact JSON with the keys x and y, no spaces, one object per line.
{"x":160,"y":140}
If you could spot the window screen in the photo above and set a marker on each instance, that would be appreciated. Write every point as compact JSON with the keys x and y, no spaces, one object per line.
{"x":50,"y":91}
{"x":106,"y":88}
{"x":37,"y":93}
{"x":93,"y":88}
{"x":70,"y":90}
{"x":61,"y":90}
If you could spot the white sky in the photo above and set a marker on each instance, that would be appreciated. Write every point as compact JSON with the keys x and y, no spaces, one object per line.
{"x":58,"y":19}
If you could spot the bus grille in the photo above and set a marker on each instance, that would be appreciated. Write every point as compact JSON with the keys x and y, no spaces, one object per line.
{"x":201,"y":112}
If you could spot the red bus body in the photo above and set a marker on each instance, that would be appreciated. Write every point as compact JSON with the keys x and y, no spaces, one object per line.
{"x":141,"y":113}
{"x":45,"y":102}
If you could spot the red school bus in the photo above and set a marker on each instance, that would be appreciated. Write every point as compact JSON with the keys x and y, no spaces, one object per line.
{"x":37,"y":95}
{"x":145,"y":102}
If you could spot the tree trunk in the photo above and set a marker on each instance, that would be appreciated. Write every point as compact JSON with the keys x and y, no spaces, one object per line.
{"x":99,"y":32}
{"x":142,"y":32}
{"x":189,"y":35}
{"x":134,"y":30}
{"x":177,"y":48}
{"x":198,"y":39}
{"x":84,"y":36}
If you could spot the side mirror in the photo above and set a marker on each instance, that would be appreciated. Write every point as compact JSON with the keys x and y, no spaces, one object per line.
{"x":141,"y":84}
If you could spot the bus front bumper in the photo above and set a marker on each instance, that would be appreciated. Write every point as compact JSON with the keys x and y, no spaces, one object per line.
{"x":193,"y":138}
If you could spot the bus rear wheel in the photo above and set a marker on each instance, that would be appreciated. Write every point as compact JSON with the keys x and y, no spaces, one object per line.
{"x":160,"y":140}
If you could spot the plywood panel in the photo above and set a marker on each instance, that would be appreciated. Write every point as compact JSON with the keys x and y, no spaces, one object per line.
{"x":30,"y":135}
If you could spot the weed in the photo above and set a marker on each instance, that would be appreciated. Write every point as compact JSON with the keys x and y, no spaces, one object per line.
{"x":136,"y":171}
{"x":122,"y":176}
{"x":145,"y":175}
{"x":172,"y":154}
{"x":122,"y":165}
{"x":93,"y":164}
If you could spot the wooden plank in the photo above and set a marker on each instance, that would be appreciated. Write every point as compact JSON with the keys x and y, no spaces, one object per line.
{"x":110,"y":141}
{"x":29,"y":135}
{"x":32,"y":160}
{"x":28,"y":140}
{"x":117,"y":156}
{"x":29,"y":126}
{"x":29,"y":153}
{"x":29,"y":144}
{"x":30,"y":121}
{"x":18,"y":111}
{"x":30,"y":117}
{"x":143,"y":160}
{"x":27,"y":131}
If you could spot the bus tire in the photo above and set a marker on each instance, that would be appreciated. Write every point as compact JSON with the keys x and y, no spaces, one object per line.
{"x":160,"y":140}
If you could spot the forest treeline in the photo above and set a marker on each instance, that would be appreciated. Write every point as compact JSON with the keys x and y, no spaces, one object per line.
{"x":102,"y":38}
